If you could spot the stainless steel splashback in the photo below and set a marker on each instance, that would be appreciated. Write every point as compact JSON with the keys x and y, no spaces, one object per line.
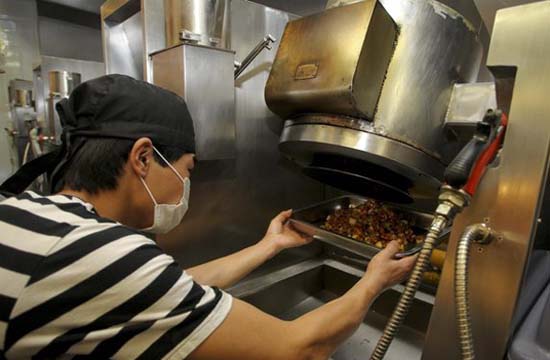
{"x":233,"y":200}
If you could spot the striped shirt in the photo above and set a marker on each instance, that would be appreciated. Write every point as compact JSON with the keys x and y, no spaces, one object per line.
{"x":74,"y":283}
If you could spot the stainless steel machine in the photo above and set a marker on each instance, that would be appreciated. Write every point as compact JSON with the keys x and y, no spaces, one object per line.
{"x":373,"y":94}
{"x":511,"y":199}
{"x":374,"y":98}
{"x":365,"y":106}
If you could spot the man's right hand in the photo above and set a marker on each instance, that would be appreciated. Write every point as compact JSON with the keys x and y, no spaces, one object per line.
{"x":384,"y":270}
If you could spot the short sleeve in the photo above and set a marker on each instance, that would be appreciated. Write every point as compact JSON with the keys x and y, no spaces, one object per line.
{"x":115,"y":296}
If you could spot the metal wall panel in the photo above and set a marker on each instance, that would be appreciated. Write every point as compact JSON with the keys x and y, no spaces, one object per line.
{"x":69,"y":40}
{"x":123,"y":46}
{"x":203,"y":76}
{"x":232,"y":201}
{"x":154,"y":33}
{"x":131,"y":31}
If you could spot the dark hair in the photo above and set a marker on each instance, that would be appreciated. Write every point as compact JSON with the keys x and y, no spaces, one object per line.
{"x":98,"y":164}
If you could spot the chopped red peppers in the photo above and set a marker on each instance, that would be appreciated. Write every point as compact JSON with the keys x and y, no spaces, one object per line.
{"x":372,"y":223}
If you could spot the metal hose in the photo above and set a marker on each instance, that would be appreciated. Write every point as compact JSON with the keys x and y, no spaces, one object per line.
{"x":405,"y":301}
{"x":470,"y":234}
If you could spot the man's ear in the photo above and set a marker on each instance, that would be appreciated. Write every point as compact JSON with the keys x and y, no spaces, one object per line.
{"x":141,"y":156}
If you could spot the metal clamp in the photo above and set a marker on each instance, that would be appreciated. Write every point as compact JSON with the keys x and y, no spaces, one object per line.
{"x":484,"y":234}
{"x":189,"y":36}
{"x":451,"y":202}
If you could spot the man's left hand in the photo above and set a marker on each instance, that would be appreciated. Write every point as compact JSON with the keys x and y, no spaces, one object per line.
{"x":282,"y":236}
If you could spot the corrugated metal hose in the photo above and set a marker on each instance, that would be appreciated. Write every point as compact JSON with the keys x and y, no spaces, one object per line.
{"x":405,"y":301}
{"x":471,"y":233}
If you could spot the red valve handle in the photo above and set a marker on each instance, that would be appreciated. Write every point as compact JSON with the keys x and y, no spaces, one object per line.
{"x":486,"y":157}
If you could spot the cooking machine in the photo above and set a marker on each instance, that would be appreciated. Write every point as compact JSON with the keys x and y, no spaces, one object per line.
{"x":398,"y":100}
{"x":365,"y":90}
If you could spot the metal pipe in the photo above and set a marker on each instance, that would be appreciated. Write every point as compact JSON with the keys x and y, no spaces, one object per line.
{"x":264,"y":44}
{"x":477,"y":232}
{"x":438,"y":224}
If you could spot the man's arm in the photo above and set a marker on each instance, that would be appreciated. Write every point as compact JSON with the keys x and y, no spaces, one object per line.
{"x":252,"y":334}
{"x":228,"y":270}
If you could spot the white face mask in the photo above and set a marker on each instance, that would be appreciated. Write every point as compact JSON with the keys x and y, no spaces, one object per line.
{"x":168,"y":216}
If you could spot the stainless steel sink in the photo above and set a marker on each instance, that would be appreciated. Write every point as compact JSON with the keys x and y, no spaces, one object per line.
{"x":297,"y":289}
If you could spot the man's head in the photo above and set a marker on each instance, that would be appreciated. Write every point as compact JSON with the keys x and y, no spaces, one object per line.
{"x":112,"y":126}
{"x":104,"y":166}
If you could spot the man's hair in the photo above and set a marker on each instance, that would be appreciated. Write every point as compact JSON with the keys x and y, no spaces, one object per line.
{"x":99,"y":163}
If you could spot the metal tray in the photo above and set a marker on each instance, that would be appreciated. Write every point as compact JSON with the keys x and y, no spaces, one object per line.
{"x":309,"y":220}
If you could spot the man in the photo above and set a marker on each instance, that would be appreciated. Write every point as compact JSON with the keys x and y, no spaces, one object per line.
{"x":78,"y":277}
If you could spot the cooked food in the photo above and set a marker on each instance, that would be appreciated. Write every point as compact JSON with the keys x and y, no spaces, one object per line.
{"x":372,"y":223}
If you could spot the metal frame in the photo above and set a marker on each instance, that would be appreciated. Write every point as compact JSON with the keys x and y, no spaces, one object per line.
{"x":510,"y":197}
{"x":403,"y":130}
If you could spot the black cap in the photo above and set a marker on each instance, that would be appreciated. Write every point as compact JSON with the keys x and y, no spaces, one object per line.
{"x":111,"y":106}
{"x":119,"y":106}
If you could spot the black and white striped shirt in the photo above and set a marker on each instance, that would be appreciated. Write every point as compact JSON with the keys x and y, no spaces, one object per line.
{"x":73,"y":283}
